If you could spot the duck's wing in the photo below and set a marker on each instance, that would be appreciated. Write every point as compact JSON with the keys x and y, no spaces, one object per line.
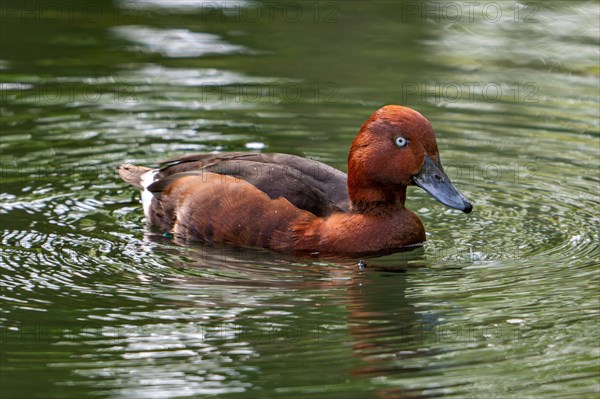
{"x":306,"y":183}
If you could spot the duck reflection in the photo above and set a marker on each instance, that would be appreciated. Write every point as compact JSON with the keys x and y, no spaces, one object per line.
{"x":354,"y":317}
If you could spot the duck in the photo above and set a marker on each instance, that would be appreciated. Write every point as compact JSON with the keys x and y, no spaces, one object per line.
{"x":297,"y":205}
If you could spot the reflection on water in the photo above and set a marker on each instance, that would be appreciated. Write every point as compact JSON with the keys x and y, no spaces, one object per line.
{"x":500,"y":303}
{"x":192,"y":5}
{"x":176,"y":42}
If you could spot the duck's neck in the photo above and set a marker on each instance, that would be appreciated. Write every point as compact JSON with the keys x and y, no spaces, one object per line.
{"x":368,"y":193}
{"x":376,"y":199}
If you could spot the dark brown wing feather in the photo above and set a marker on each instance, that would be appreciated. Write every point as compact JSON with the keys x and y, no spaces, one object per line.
{"x":309,"y":185}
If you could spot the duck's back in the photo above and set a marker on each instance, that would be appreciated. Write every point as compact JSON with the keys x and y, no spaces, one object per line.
{"x":308,"y":184}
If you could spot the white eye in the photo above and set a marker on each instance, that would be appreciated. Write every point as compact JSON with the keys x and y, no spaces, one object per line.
{"x":400,"y":142}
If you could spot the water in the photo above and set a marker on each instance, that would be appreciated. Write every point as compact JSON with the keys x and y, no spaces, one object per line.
{"x":500,"y":303}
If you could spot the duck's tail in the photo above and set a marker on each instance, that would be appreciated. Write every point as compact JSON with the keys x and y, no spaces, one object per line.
{"x":132,"y":174}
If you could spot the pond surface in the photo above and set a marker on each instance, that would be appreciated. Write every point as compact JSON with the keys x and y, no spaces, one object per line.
{"x":500,"y":303}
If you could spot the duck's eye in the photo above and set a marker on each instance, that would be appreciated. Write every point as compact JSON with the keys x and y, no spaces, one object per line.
{"x":400,"y":142}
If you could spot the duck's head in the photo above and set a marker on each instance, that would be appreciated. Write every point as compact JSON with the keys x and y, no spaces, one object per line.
{"x":395,"y":148}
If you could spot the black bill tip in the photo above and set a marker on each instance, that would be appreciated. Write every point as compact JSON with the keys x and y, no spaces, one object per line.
{"x":468,"y":207}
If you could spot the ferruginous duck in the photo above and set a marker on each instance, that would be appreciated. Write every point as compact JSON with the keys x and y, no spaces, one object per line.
{"x":298,"y":205}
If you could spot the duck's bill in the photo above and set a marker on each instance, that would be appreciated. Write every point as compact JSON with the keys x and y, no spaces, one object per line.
{"x":432,"y":178}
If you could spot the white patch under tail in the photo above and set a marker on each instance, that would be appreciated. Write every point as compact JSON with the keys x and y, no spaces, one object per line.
{"x":146,"y":180}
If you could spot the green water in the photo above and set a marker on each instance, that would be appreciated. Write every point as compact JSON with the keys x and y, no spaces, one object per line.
{"x":500,"y":303}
